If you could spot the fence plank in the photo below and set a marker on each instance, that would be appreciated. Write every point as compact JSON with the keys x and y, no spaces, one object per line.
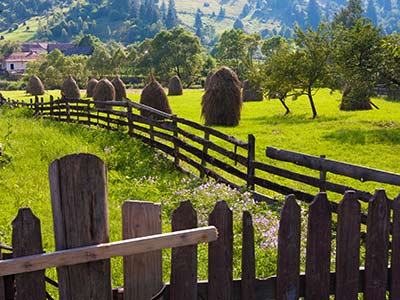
{"x":376,"y":260}
{"x":27,"y":240}
{"x":288,"y":275}
{"x":395,"y":264}
{"x":142,"y":272}
{"x":184,"y":259}
{"x":250,"y":161}
{"x":220,"y":257}
{"x":248,"y":289}
{"x":318,"y":248}
{"x":348,"y":247}
{"x":2,"y":287}
{"x":78,"y":188}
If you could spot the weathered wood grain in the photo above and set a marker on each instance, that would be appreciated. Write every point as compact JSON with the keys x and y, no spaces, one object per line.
{"x":376,"y":259}
{"x":184,"y":259}
{"x":142,"y":272}
{"x":288,"y":275}
{"x":248,"y":290}
{"x":78,"y":186}
{"x":395,"y":263}
{"x":348,"y":247}
{"x":220,"y":254}
{"x":27,"y":240}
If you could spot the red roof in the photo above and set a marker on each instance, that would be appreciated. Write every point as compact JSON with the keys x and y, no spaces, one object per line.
{"x":21,"y":56}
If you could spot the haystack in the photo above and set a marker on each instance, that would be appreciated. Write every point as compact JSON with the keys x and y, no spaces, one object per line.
{"x":251,"y":92}
{"x":120,"y":90}
{"x":153,"y":95}
{"x":207,"y":82}
{"x":70,"y":89}
{"x":104,"y":91}
{"x":35,"y":86}
{"x":90,"y":87}
{"x":175,"y":86}
{"x":356,"y":97}
{"x":222,"y":101}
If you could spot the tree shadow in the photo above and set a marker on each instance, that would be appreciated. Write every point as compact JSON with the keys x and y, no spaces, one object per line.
{"x":296,"y":119}
{"x":388,"y":136}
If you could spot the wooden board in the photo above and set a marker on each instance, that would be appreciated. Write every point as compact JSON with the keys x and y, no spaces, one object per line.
{"x":142,"y":272}
{"x":395,"y":263}
{"x":2,"y":287}
{"x":220,"y":257}
{"x":78,"y":188}
{"x":27,"y":240}
{"x":348,"y":247}
{"x":248,"y":290}
{"x":184,"y":259}
{"x":288,"y":275}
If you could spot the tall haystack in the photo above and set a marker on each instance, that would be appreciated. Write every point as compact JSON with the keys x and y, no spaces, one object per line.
{"x":153,"y":95}
{"x":175,"y":86}
{"x":35,"y":86}
{"x":222,"y":101}
{"x":90,"y":87}
{"x":70,"y":89}
{"x":356,"y":97}
{"x":251,"y":92}
{"x":104,"y":91}
{"x":207,"y":82}
{"x":120,"y":90}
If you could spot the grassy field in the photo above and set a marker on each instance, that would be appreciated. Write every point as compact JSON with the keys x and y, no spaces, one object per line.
{"x":23,"y":34}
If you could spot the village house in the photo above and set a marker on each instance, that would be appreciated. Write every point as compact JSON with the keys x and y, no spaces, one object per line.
{"x":16,"y":63}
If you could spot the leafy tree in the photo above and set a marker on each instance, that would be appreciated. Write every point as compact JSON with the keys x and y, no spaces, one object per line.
{"x":8,"y":47}
{"x":100,"y":61}
{"x":312,"y":56}
{"x":349,"y":15}
{"x":390,"y":68}
{"x":272,"y":45}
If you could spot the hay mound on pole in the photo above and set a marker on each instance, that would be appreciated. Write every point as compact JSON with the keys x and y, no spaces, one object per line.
{"x":207,"y":82}
{"x":355,"y":97}
{"x":104,"y":91}
{"x":175,"y":86}
{"x":120,"y":90}
{"x":90,"y":87}
{"x":251,"y":92}
{"x":70,"y":89}
{"x":35,"y":86}
{"x":153,"y":95}
{"x":222,"y":101}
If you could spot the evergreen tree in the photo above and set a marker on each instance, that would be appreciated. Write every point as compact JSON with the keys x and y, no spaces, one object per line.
{"x":349,"y":15}
{"x":371,"y":12}
{"x":221,"y":13}
{"x":198,"y":23}
{"x":238,"y":24}
{"x":171,"y":20}
{"x":163,"y":10}
{"x":313,"y":13}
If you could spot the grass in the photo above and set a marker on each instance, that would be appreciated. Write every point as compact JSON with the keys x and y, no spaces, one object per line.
{"x":22,"y":34}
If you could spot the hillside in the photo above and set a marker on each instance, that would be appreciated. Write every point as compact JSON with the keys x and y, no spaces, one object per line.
{"x":129,"y":21}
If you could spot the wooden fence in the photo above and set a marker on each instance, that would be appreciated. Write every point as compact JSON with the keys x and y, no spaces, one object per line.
{"x":79,"y":201}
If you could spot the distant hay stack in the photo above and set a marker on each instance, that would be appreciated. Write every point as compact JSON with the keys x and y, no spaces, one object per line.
{"x":104,"y":91}
{"x":120,"y":90}
{"x":222,"y":101}
{"x":175,"y":86}
{"x":70,"y":89}
{"x":207,"y":82}
{"x":90,"y":87}
{"x":35,"y":86}
{"x":153,"y":95}
{"x":251,"y":92}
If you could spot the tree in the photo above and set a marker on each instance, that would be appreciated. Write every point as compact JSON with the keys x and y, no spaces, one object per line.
{"x":100,"y":61}
{"x":238,"y":24}
{"x":8,"y":47}
{"x":357,"y":58}
{"x":198,"y":23}
{"x":313,"y":14}
{"x":171,"y":20}
{"x":312,"y":56}
{"x":349,"y":15}
{"x":390,"y":68}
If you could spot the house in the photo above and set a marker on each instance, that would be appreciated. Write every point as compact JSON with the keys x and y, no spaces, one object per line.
{"x":36,"y":47}
{"x":17,"y":62}
{"x":69,"y":49}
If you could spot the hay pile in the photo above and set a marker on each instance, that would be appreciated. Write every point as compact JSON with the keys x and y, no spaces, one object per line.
{"x":90,"y":87}
{"x":251,"y":92}
{"x":222,"y":101}
{"x":153,"y":95}
{"x":207,"y":82}
{"x":104,"y":91}
{"x":70,"y":89}
{"x":120,"y":90}
{"x":35,"y":86}
{"x":175,"y":86}
{"x":356,"y":97}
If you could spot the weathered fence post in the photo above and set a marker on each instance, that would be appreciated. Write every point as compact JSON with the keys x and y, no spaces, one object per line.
{"x":78,"y":188}
{"x":27,"y":240}
{"x":88,"y":113}
{"x":248,"y":290}
{"x":348,"y":247}
{"x":36,"y":105}
{"x":376,"y":257}
{"x":220,"y":254}
{"x":51,"y":106}
{"x":142,"y":272}
{"x":204,"y":153}
{"x":395,"y":263}
{"x":318,"y":249}
{"x":184,"y":259}
{"x":250,"y":161}
{"x":322,"y":174}
{"x":2,"y":287}
{"x":288,"y":275}
{"x":130,"y":118}
{"x":176,"y":137}
{"x":67,"y":110}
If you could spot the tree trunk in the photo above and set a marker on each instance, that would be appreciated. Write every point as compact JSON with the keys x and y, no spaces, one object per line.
{"x":309,"y":94}
{"x":284,"y":105}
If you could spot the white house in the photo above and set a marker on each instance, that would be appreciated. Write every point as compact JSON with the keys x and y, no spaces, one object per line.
{"x":17,"y":62}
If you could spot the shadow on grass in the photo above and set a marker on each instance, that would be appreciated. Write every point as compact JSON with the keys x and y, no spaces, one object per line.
{"x":296,"y":119}
{"x":389,"y":136}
